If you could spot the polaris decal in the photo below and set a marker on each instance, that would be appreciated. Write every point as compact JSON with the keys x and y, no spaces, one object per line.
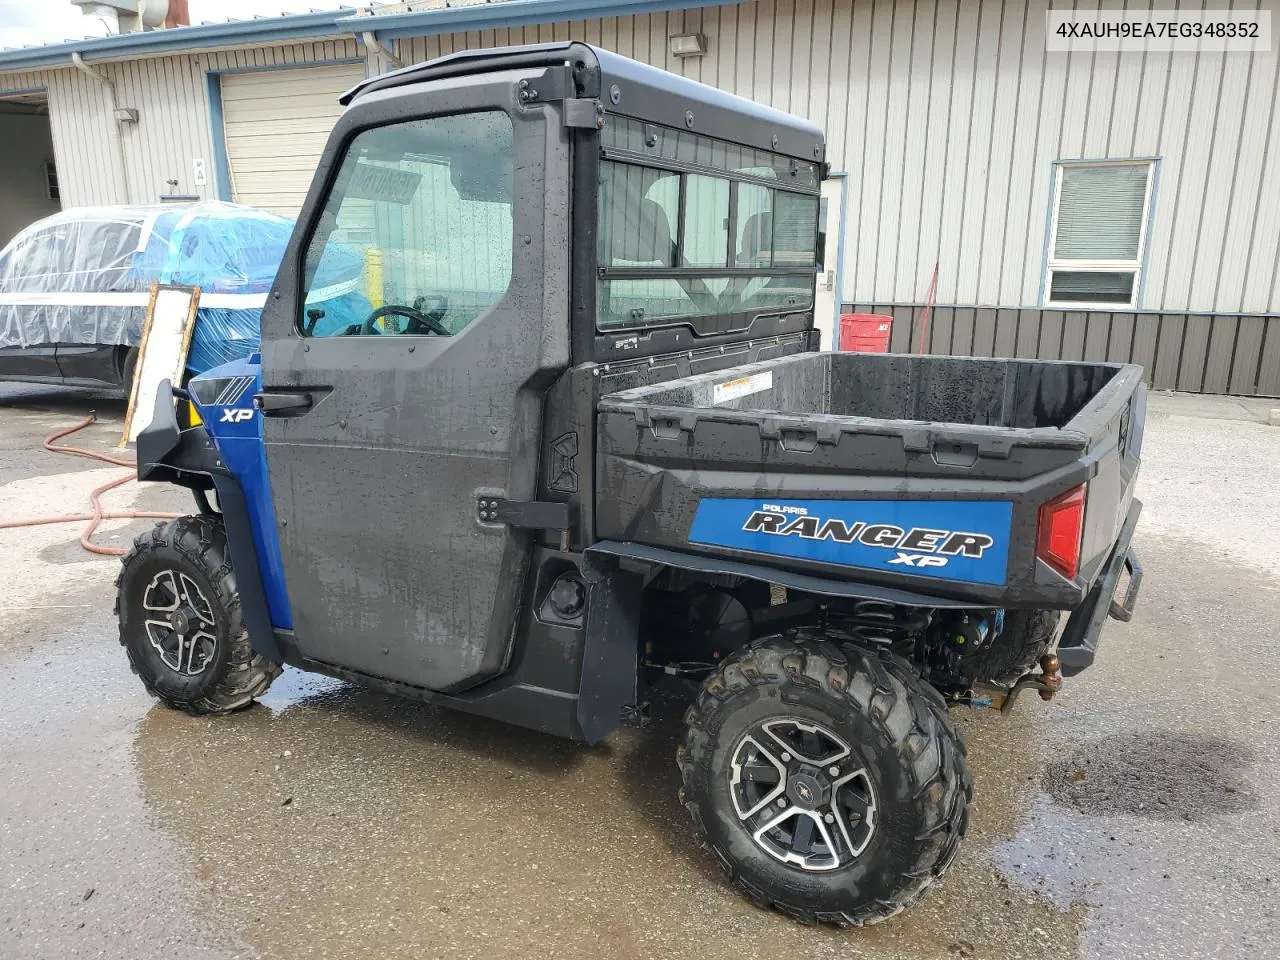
{"x":965,"y":540}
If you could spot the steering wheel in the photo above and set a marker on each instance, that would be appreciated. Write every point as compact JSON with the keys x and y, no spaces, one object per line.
{"x":419,"y":322}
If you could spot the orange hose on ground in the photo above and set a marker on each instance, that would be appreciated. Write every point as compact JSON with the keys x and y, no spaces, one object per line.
{"x":97,"y":516}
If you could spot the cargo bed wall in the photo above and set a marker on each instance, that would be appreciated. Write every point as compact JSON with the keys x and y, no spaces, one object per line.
{"x":821,"y":430}
{"x":945,"y":390}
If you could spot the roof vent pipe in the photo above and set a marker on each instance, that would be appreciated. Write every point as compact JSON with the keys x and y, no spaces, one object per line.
{"x":117,"y":141}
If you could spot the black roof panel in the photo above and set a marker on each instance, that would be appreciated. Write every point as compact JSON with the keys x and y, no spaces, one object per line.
{"x":631,"y":88}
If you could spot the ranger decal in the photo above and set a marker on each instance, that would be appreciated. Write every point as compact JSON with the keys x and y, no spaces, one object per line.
{"x":956,"y":540}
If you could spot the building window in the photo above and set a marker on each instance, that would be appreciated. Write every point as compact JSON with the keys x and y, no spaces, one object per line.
{"x":1098,"y":234}
{"x":51,"y":181}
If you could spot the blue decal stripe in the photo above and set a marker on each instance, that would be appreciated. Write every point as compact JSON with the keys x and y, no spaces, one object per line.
{"x":961,"y":540}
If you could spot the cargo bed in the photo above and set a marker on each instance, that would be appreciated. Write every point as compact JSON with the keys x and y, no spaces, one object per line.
{"x":896,"y":459}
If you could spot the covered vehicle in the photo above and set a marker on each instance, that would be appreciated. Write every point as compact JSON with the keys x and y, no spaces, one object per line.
{"x":74,"y":287}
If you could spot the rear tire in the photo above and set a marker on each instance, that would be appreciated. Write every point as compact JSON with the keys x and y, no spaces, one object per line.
{"x":180,"y":620}
{"x":897,"y":800}
{"x":1026,"y":637}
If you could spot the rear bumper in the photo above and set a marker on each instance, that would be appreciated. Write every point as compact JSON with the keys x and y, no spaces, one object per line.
{"x":1079,"y":643}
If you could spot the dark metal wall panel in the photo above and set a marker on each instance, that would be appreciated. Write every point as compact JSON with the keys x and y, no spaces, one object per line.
{"x":1097,"y":336}
{"x":1244,"y":370}
{"x":1269,"y":365}
{"x":1120,"y":338}
{"x":1196,"y":353}
{"x":1146,"y":334}
{"x":1168,"y":359}
{"x":1049,"y":344}
{"x":962,"y":331}
{"x":1195,"y":343}
{"x":904,"y":319}
{"x":984,"y":333}
{"x":1220,"y":354}
{"x":1073,"y":329}
{"x":939,"y":334}
{"x":1028,"y":334}
{"x":1006,"y":344}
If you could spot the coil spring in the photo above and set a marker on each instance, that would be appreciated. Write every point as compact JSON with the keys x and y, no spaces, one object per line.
{"x":873,"y":621}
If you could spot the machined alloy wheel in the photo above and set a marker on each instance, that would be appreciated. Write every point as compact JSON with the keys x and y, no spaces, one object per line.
{"x":826,"y":778}
{"x":797,"y":788}
{"x":180,"y":623}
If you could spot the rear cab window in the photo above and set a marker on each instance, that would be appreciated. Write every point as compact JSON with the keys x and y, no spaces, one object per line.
{"x":701,"y":232}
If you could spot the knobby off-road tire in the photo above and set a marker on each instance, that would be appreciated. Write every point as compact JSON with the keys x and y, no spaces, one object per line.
{"x":898,"y":731}
{"x":1026,"y":637}
{"x":185,"y":563}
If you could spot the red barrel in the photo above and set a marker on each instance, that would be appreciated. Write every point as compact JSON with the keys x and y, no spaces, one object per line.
{"x":865,"y":332}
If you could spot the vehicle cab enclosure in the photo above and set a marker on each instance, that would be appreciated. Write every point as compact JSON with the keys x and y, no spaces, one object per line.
{"x":584,"y":421}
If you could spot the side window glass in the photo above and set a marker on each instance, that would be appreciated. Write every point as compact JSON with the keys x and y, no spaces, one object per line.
{"x":639,"y":207}
{"x":755,"y":218}
{"x":794,"y":236}
{"x":416,"y":236}
{"x":706,"y":222}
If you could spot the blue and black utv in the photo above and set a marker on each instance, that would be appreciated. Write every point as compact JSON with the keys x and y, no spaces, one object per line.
{"x":584,"y":440}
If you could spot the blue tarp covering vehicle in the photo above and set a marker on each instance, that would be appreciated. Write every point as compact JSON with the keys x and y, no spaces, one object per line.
{"x":82,"y":277}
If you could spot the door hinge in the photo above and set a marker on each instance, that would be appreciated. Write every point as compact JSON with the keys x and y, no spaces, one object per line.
{"x":584,"y":114}
{"x":529,"y":514}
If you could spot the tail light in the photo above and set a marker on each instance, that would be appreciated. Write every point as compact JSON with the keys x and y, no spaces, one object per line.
{"x":1060,"y":530}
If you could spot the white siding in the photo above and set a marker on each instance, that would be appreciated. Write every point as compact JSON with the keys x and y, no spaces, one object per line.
{"x":173,"y":128}
{"x":948,"y":116}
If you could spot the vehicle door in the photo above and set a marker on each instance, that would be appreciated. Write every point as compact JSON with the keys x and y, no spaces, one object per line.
{"x":419,"y":316}
{"x":28,"y":278}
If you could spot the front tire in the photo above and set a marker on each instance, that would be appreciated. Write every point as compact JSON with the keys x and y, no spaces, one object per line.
{"x":827,"y":780}
{"x":180,"y":620}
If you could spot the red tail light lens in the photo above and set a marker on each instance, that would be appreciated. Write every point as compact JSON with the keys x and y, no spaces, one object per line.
{"x":1058,"y":537}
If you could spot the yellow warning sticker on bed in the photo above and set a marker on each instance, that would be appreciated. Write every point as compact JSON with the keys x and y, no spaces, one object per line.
{"x":742,"y":387}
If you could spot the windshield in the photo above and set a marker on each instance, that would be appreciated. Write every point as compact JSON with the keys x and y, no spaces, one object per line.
{"x":730,"y":235}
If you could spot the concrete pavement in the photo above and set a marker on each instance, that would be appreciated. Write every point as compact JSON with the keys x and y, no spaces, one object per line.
{"x":1138,"y":815}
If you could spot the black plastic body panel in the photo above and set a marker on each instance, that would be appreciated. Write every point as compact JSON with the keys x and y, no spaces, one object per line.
{"x":628,"y":87}
{"x":1042,"y":429}
{"x":1078,"y":645}
{"x":392,"y":568}
{"x":541,"y":685}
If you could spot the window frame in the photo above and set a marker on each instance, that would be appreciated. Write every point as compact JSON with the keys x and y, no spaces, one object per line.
{"x":52,"y":189}
{"x":1136,"y":266}
{"x":684,"y":170}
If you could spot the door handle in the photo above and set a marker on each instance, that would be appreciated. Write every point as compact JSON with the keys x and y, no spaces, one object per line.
{"x":282,"y":404}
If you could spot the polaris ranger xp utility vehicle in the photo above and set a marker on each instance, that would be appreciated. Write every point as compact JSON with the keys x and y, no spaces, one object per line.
{"x":577,"y":437}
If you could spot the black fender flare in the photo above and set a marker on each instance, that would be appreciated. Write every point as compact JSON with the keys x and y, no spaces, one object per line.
{"x":189,"y":458}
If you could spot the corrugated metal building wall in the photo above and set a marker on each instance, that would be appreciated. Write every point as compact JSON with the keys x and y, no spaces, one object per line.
{"x":172,"y":99}
{"x":948,"y":116}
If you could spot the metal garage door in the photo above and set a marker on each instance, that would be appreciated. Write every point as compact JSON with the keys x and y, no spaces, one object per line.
{"x":276,"y":124}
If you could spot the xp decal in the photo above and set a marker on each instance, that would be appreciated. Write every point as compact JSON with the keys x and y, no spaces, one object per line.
{"x":965,"y":540}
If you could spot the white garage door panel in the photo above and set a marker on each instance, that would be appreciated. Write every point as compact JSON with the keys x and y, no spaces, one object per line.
{"x":300,"y":145}
{"x":276,"y":124}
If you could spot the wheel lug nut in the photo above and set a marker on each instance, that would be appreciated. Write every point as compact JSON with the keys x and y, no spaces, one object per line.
{"x":786,"y":758}
{"x":782,"y":801}
{"x":834,"y":771}
{"x":829,"y":817}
